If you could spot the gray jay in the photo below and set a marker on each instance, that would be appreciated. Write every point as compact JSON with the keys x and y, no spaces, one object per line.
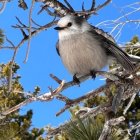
{"x":84,"y":49}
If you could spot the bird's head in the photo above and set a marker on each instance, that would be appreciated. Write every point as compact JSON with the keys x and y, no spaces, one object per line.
{"x":71,"y":24}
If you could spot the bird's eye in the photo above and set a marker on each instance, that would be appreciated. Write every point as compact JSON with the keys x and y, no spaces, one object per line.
{"x":69,"y":24}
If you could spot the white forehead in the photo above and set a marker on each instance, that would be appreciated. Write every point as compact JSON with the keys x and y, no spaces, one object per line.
{"x":65,"y":20}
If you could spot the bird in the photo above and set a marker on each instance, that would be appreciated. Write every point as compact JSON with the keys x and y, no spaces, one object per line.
{"x":86,"y":49}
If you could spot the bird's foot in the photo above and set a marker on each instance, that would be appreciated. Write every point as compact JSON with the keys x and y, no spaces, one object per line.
{"x":76,"y":80}
{"x":93,"y":74}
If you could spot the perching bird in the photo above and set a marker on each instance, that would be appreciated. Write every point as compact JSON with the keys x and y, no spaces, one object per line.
{"x":84,"y":50}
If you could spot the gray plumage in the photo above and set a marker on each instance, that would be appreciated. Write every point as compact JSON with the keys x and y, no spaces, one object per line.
{"x":84,"y":48}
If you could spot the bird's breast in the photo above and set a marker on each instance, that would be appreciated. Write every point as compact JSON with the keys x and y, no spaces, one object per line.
{"x":81,"y":53}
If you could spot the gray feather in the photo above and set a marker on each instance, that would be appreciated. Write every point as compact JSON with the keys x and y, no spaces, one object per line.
{"x":81,"y":56}
{"x":113,"y":50}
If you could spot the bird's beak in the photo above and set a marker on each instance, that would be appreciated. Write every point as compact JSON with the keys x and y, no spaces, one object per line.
{"x":59,"y":28}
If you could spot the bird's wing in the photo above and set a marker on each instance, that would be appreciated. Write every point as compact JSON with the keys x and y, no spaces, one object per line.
{"x":57,"y":47}
{"x":113,"y":49}
{"x":105,"y":34}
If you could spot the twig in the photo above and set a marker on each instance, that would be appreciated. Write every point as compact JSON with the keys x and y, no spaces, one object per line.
{"x":129,"y":13}
{"x":46,"y":97}
{"x":83,"y":7}
{"x":68,"y":4}
{"x":30,"y":24}
{"x":129,"y":104}
{"x":33,"y":33}
{"x":107,"y":127}
{"x":10,"y":42}
{"x":119,"y":32}
{"x":69,"y":103}
{"x":93,"y":11}
{"x":63,"y":98}
{"x":35,"y":23}
{"x":134,"y":127}
{"x":20,"y":22}
{"x":92,"y":5}
{"x":18,"y":106}
{"x":97,"y":91}
{"x":49,"y":11}
{"x":3,"y":6}
{"x":63,"y":10}
{"x":117,"y":98}
{"x":7,"y":47}
{"x":22,"y":4}
{"x":92,"y":113}
{"x":55,"y":78}
{"x":103,"y":5}
{"x":60,"y":8}
{"x":108,"y":75}
{"x":88,"y":95}
{"x":121,"y":21}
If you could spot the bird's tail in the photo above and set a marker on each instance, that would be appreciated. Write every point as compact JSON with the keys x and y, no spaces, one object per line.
{"x":123,"y":58}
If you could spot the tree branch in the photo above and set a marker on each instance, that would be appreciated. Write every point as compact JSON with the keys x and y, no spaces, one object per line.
{"x":107,"y":127}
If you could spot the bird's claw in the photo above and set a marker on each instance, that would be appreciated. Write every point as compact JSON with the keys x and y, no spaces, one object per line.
{"x":93,"y":74}
{"x":76,"y":80}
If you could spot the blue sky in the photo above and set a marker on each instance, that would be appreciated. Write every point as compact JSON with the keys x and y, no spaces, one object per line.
{"x":44,"y":60}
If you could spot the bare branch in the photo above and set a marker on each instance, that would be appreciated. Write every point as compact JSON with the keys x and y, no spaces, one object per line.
{"x":33,"y":33}
{"x":69,"y":103}
{"x":49,"y":12}
{"x":3,"y":6}
{"x":63,"y":10}
{"x":7,"y":47}
{"x":92,"y":10}
{"x":105,"y":108}
{"x":18,"y":106}
{"x":35,"y":23}
{"x":83,"y":7}
{"x":55,"y":78}
{"x":93,"y":5}
{"x":30,"y":24}
{"x":92,"y":113}
{"x":102,"y":5}
{"x":118,"y":24}
{"x":107,"y":127}
{"x":23,"y":33}
{"x":10,"y":42}
{"x":129,"y":104}
{"x":68,"y":4}
{"x":57,"y":6}
{"x":46,"y":97}
{"x":20,"y":22}
{"x":80,"y":99}
{"x":22,"y":4}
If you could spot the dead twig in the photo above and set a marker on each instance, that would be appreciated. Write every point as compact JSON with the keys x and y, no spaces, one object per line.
{"x":60,"y":8}
{"x":68,"y":4}
{"x":30,"y":24}
{"x":18,"y":106}
{"x":3,"y":6}
{"x":92,"y":113}
{"x":107,"y":127}
{"x":46,"y":97}
{"x":129,"y":104}
{"x":92,"y":10}
{"x":88,"y":95}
